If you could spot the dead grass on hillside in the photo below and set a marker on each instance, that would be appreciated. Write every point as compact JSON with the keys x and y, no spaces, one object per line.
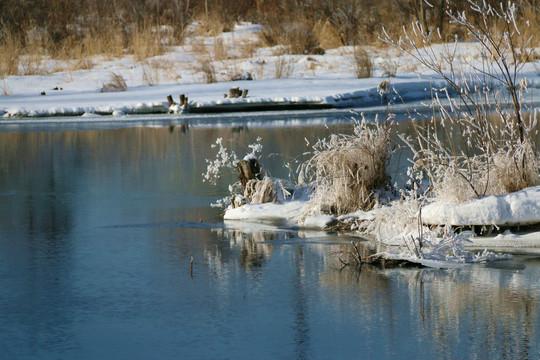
{"x":10,"y":49}
{"x":205,"y":65}
{"x":327,"y":35}
{"x":220,"y":50}
{"x":146,"y":43}
{"x":297,"y":37}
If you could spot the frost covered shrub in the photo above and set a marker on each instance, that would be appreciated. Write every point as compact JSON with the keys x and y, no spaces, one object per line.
{"x":462,"y":165}
{"x":348,"y":169}
{"x":224,"y":160}
{"x":481,"y":143}
{"x":256,"y":191}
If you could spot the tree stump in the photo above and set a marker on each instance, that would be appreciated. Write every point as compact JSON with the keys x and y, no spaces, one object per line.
{"x":235,"y":92}
{"x":170,"y":100}
{"x":248,"y":170}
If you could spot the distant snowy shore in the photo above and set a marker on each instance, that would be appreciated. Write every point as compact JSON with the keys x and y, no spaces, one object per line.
{"x":271,"y":94}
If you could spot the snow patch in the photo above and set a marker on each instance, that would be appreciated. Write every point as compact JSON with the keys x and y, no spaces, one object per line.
{"x":518,"y":208}
{"x":318,"y":221}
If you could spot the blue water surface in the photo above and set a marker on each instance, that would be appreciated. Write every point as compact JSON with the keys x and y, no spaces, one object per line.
{"x":109,"y":249}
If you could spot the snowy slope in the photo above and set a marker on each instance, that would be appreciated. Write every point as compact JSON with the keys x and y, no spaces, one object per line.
{"x":315,"y":80}
{"x":519,"y":208}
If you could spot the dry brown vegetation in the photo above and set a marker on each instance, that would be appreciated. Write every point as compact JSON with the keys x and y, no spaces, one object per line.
{"x":362,"y":64}
{"x":77,"y":30}
{"x":349,"y":169}
{"x":115,"y":83}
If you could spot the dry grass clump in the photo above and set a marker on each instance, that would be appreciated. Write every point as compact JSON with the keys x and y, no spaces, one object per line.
{"x":199,"y":48}
{"x":212,"y":24}
{"x":299,"y":38}
{"x":220,"y":51}
{"x":147,"y":43}
{"x":348,"y":169}
{"x":31,"y":64}
{"x":206,"y":66}
{"x":247,"y":49}
{"x":157,"y":69}
{"x":116,"y":83}
{"x":514,"y":169}
{"x":328,"y":35}
{"x":4,"y":90}
{"x":284,"y":67}
{"x":362,"y":64}
{"x":150,"y":75}
{"x":296,"y":37}
{"x":389,"y":67}
{"x":260,"y":191}
{"x":10,"y":49}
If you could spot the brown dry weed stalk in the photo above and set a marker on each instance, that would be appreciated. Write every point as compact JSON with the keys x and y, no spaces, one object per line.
{"x":362,"y":64}
{"x":284,"y":67}
{"x":208,"y":70}
{"x":10,"y":50}
{"x":116,"y":83}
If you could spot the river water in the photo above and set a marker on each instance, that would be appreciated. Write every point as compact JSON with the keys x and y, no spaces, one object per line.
{"x":109,"y":249}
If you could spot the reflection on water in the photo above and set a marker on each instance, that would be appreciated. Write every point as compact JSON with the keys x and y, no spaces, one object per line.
{"x":97,"y":231}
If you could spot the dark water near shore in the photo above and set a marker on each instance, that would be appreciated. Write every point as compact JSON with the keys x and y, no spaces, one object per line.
{"x":97,"y":232}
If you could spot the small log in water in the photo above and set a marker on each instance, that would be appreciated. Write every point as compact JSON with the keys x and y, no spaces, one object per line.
{"x":248,"y":170}
{"x":380,"y":261}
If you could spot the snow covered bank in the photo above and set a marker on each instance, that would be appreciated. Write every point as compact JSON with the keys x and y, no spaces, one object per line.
{"x":508,"y":240}
{"x":315,"y":81}
{"x":287,"y":212}
{"x":271,"y":94}
{"x":519,"y":208}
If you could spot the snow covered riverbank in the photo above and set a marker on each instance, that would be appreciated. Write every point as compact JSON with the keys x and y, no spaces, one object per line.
{"x":264,"y":94}
{"x":314,"y":81}
{"x":515,"y":209}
